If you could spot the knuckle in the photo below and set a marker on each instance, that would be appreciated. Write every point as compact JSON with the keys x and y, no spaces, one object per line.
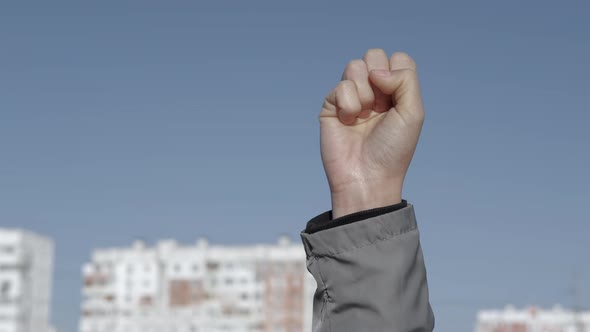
{"x":354,"y":68}
{"x":340,"y":88}
{"x":355,"y":64}
{"x":374,"y":52}
{"x":404,"y":59}
{"x":347,"y":85}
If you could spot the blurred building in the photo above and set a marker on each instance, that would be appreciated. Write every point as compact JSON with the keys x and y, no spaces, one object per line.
{"x":26,"y":269}
{"x":532,"y":320}
{"x":197,"y":288}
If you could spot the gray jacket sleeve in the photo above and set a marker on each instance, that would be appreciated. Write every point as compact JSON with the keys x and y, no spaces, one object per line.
{"x":370,"y":276}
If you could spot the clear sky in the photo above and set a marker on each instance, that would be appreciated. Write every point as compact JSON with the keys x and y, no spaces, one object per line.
{"x":138,"y":119}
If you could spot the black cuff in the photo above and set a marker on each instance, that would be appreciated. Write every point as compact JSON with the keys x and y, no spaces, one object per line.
{"x":324,"y":221}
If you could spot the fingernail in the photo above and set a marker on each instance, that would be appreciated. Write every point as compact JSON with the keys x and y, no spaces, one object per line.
{"x":381,"y":72}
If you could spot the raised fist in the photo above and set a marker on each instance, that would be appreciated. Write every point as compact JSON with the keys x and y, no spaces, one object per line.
{"x":370,"y":124}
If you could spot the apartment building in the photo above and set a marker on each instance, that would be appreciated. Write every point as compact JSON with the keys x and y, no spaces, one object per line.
{"x":26,"y":269}
{"x":533,"y":319}
{"x":197,"y":288}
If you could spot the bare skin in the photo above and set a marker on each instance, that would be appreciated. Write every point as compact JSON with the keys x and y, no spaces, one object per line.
{"x":370,"y":124}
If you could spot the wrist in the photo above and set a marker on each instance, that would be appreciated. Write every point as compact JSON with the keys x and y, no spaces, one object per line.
{"x":362,"y":198}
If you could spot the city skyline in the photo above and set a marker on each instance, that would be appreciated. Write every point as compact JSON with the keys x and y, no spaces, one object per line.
{"x":197,"y":287}
{"x":179,"y":120}
{"x":533,"y":319}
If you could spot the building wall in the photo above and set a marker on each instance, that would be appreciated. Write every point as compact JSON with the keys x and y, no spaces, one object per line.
{"x":532,"y":320}
{"x":172,"y":287}
{"x":26,"y":269}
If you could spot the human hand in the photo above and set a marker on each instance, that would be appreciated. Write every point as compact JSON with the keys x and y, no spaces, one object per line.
{"x":369,"y":127}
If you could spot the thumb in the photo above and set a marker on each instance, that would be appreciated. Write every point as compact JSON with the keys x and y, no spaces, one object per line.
{"x":403,"y":87}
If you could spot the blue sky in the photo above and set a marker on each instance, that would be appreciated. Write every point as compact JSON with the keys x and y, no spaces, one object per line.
{"x":140,"y":119}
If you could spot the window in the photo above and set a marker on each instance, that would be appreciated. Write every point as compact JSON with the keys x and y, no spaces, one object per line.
{"x":212,"y":266}
{"x":4,"y":289}
{"x":7,"y":249}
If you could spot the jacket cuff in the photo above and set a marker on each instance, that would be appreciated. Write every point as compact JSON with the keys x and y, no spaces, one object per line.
{"x":334,"y":241}
{"x":324,"y":221}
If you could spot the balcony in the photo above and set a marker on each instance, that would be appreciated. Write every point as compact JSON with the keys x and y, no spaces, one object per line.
{"x":10,"y":309}
{"x":96,"y":279}
{"x":15,"y":260}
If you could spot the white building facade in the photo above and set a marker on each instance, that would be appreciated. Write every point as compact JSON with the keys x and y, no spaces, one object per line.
{"x":532,"y":320}
{"x":26,"y":269}
{"x":197,"y":288}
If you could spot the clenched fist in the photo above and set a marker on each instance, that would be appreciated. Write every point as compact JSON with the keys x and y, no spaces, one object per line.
{"x":370,"y":124}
